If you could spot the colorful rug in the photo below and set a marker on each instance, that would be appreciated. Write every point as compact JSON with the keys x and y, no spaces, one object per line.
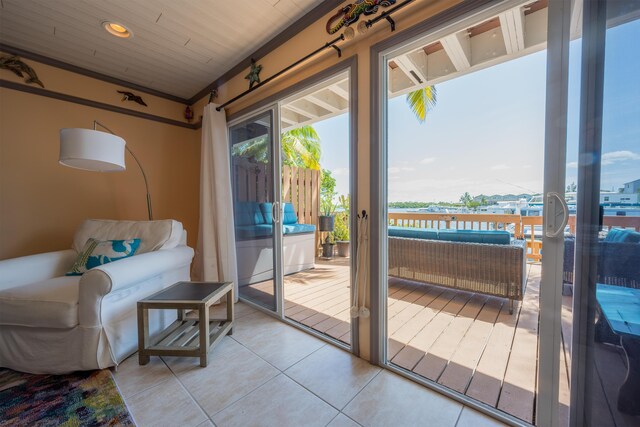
{"x":78,"y":399}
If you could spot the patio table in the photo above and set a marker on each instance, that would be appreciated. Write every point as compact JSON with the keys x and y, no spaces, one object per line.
{"x":621,"y":308}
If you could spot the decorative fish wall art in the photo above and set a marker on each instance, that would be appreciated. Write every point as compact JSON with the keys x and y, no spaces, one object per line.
{"x":130,"y":96}
{"x":14,"y":64}
{"x":351,"y":13}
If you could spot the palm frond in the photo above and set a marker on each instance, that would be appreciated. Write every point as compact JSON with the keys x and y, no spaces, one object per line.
{"x":422,"y":101}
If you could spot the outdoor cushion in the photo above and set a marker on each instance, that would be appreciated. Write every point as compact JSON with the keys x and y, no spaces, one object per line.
{"x":267,"y":212}
{"x":495,"y":237}
{"x":413,"y":233}
{"x":248,"y":213}
{"x":290,"y":216}
{"x":298,"y":228}
{"x":51,"y":303}
{"x":621,"y":235}
{"x":247,"y":232}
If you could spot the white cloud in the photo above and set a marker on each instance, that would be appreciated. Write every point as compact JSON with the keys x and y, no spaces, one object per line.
{"x":427,"y":160}
{"x":500,"y":167}
{"x":619,"y":156}
{"x":401,"y":169}
{"x":340,"y":172}
{"x":611,"y":158}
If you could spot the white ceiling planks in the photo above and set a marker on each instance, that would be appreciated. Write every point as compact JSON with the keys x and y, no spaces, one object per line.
{"x":178,"y":47}
{"x":515,"y":32}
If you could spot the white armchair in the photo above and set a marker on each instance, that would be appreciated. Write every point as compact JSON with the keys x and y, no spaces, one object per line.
{"x":52,"y":323}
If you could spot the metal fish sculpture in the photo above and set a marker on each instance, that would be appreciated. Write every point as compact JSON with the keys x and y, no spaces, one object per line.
{"x":19,"y":68}
{"x":351,"y":13}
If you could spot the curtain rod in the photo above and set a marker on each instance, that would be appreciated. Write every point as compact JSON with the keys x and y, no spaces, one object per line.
{"x":387,"y":15}
{"x":279,"y":73}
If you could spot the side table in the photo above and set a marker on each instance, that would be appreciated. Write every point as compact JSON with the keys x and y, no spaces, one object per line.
{"x":186,"y":337}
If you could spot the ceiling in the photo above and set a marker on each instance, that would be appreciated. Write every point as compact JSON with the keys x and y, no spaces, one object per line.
{"x":178,"y":46}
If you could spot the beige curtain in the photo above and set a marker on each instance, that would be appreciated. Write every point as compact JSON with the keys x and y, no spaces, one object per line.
{"x":215,"y":258}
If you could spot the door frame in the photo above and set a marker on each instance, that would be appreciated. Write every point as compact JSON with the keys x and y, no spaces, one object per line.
{"x":349,"y":65}
{"x":438,"y":25}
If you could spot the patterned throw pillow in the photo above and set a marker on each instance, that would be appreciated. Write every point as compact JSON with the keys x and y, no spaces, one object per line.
{"x":97,"y":252}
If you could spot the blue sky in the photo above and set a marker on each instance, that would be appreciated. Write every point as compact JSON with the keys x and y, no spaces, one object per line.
{"x":486,"y":133}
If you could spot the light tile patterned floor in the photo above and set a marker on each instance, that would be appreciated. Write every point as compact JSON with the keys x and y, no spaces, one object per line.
{"x":271,"y":374}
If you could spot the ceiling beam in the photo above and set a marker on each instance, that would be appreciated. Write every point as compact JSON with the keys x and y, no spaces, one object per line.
{"x":410,"y":69}
{"x":286,"y":114}
{"x":305,"y":109}
{"x":458,"y":48}
{"x":329,"y":101}
{"x":338,"y":90}
{"x":288,"y":121}
{"x":512,"y":26}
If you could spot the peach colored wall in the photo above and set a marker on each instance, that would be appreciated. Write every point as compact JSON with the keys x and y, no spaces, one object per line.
{"x":42,"y":202}
{"x":307,"y":41}
{"x":62,"y":81}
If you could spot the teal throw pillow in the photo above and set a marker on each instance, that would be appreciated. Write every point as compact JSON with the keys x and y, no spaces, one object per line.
{"x":98,"y":252}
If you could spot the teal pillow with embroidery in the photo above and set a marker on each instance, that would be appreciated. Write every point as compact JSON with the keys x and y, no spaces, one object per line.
{"x":100,"y":252}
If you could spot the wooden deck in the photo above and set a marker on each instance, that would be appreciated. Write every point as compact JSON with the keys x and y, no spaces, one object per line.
{"x":468,"y":342}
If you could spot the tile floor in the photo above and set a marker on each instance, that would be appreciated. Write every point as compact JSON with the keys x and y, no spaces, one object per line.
{"x":271,"y":374}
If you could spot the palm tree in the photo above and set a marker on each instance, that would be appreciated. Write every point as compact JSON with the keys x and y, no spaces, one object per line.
{"x":421,"y":101}
{"x":300,"y":147}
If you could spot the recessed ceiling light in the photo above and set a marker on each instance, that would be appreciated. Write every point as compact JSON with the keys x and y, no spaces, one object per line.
{"x":117,"y":29}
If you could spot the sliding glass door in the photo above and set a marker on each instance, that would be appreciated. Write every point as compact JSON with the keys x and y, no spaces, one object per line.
{"x":606,"y":250}
{"x":254,"y":168}
{"x":292,"y":169}
{"x":475,"y":211}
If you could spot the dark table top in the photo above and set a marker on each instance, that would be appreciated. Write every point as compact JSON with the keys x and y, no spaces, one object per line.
{"x":188,"y":291}
{"x":621,"y":308}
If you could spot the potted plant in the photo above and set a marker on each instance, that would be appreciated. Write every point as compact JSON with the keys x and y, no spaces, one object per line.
{"x":327,"y":246}
{"x":341,"y":227}
{"x":326,"y":219}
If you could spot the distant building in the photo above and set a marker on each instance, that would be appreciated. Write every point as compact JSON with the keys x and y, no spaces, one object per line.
{"x":631,"y":187}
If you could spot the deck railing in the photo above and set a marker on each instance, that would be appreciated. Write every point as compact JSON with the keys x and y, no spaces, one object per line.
{"x":522,"y":227}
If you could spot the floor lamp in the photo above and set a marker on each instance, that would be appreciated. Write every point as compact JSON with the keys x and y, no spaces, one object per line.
{"x":94,"y":150}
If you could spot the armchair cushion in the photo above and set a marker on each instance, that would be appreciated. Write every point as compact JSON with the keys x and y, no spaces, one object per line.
{"x":51,"y":303}
{"x":153,"y":235}
{"x":96,"y":252}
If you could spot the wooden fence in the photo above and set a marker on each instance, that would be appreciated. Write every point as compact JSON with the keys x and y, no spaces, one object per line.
{"x":301,"y":187}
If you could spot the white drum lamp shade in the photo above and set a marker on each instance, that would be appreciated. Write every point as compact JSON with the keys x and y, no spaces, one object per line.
{"x":91,"y":150}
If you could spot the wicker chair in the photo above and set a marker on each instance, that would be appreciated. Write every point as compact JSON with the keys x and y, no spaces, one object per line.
{"x":618,"y":263}
{"x":485,"y":268}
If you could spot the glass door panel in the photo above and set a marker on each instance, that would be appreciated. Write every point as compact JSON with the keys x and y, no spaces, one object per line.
{"x":607,"y":258}
{"x":257,"y":229}
{"x":316,"y":186}
{"x":464,"y":208}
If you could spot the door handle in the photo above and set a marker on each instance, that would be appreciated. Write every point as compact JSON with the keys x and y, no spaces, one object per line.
{"x":276,"y":212}
{"x":551,"y":217}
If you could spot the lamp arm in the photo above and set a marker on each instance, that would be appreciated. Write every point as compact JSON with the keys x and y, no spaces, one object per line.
{"x":144,"y":175}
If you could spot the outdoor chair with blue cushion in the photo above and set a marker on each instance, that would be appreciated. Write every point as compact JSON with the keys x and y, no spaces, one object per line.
{"x":618,"y":258}
{"x":254,"y":237}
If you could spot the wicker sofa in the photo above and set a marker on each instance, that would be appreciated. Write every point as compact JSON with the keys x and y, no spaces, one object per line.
{"x":487,"y":262}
